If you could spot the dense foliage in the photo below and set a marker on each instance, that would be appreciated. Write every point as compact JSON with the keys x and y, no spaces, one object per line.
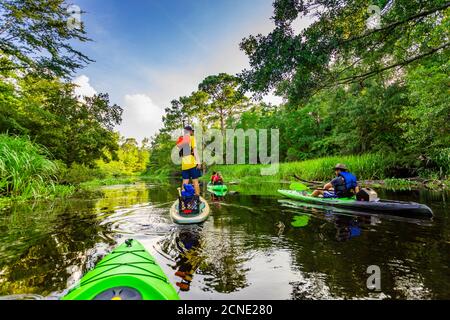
{"x":341,"y":46}
{"x":130,"y":159}
{"x":25,"y":170}
{"x":37,"y":36}
{"x":48,"y":134}
{"x":47,"y":110}
{"x":349,"y":88}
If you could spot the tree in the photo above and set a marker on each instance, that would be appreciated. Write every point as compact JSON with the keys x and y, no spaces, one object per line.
{"x":48,"y":111}
{"x":160,"y":153}
{"x":338,"y":48}
{"x":197,"y":106}
{"x":37,"y":36}
{"x":174,"y":116}
{"x":225,"y":100}
{"x":427,"y":118}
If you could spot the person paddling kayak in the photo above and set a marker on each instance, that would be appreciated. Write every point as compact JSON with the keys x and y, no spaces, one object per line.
{"x":217,"y":179}
{"x":190,"y":163}
{"x":344,"y":185}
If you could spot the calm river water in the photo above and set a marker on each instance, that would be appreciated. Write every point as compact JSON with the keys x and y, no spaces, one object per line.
{"x":248,"y":249}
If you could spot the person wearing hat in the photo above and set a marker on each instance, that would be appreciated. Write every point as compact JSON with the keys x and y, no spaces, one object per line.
{"x":344,"y":185}
{"x":190,"y":162}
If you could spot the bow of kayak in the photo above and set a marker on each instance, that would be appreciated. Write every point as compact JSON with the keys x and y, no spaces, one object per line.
{"x":128,"y":273}
{"x":381,"y":206}
{"x":217,"y":190}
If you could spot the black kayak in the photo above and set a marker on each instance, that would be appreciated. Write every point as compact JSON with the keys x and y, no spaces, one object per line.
{"x":381,"y":206}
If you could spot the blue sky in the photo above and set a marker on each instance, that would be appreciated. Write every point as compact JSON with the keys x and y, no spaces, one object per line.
{"x":149,"y":52}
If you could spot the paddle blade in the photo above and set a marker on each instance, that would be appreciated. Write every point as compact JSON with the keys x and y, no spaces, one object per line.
{"x":296,"y":186}
{"x":300,"y":221}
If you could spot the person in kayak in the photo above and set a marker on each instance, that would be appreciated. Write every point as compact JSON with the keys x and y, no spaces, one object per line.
{"x":216,"y":179}
{"x":219,"y":178}
{"x":190,"y":163}
{"x":344,"y":185}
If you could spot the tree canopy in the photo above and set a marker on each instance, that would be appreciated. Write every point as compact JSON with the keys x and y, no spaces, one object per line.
{"x":37,"y":99}
{"x":37,"y":36}
{"x":350,"y":86}
{"x":338,"y":47}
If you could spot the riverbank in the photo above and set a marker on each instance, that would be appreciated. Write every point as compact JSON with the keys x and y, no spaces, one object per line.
{"x":28,"y":171}
{"x":49,"y":180}
{"x":372,"y":170}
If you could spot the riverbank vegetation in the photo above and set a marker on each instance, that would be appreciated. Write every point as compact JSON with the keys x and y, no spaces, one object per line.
{"x":26,"y":172}
{"x":376,"y":99}
{"x":52,"y":140}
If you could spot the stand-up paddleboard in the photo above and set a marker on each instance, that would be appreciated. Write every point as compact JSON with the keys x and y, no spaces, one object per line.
{"x":182,"y":218}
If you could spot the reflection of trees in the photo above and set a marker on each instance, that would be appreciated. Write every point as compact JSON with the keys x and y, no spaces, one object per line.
{"x":164,"y":194}
{"x":411,"y":258}
{"x":123,"y":196}
{"x":219,"y":257}
{"x":239,"y":230}
{"x":42,"y":241}
{"x":224,"y":263}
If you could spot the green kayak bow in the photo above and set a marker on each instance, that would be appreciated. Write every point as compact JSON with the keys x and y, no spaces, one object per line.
{"x":218,"y":190}
{"x":128,"y":273}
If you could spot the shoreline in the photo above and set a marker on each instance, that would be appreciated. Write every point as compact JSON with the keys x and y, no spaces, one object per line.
{"x":251,"y":183}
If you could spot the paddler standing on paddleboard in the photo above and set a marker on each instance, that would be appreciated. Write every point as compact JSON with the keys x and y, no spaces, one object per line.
{"x":190,"y":161}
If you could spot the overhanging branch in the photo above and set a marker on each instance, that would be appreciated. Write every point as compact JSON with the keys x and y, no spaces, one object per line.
{"x":371,"y":73}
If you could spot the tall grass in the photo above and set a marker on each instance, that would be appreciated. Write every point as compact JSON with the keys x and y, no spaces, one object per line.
{"x":365,"y":167}
{"x":25,"y":171}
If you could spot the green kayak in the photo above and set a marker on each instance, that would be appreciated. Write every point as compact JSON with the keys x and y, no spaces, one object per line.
{"x":381,"y":206}
{"x":128,"y":273}
{"x":218,"y":190}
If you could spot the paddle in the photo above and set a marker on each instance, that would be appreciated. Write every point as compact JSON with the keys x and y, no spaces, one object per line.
{"x":300,"y":221}
{"x":297,"y":186}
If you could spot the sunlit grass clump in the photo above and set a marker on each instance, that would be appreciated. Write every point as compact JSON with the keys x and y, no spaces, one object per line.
{"x":365,"y":167}
{"x":25,"y":170}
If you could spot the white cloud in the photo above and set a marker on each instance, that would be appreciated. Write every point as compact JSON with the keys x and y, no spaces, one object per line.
{"x":273,"y":99}
{"x":84,"y":88}
{"x":301,"y":23}
{"x":159,"y":83}
{"x":141,"y":117}
{"x":168,"y":83}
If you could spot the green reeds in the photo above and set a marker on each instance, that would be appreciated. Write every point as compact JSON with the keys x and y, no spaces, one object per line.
{"x":365,"y":167}
{"x":25,"y":170}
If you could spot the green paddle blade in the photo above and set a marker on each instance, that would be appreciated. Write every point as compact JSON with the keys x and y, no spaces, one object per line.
{"x":296,"y":186}
{"x":300,"y":221}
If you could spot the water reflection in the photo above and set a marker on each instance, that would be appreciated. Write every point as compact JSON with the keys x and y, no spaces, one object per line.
{"x":183,"y":246}
{"x":39,"y":245}
{"x":251,"y":247}
{"x":196,"y":252}
{"x":188,"y":261}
